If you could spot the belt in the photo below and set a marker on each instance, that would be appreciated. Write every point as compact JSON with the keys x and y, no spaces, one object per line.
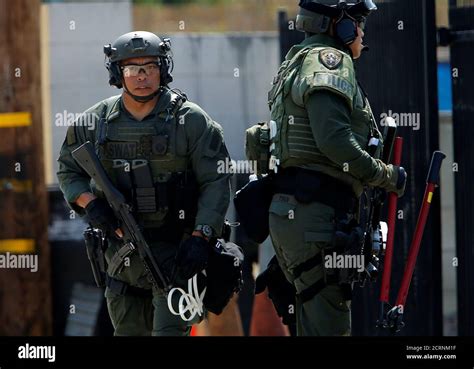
{"x":123,"y":288}
{"x":311,"y":186}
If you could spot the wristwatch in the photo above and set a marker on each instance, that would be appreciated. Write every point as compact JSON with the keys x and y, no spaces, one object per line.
{"x":206,"y":230}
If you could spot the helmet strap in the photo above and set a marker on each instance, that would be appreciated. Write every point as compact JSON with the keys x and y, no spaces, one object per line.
{"x":141,"y":99}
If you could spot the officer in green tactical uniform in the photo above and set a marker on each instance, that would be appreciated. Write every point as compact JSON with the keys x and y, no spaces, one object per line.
{"x":323,"y":157}
{"x":162,"y":152}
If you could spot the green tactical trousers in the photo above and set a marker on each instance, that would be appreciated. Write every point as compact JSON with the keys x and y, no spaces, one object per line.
{"x":299,"y":232}
{"x":144,"y":316}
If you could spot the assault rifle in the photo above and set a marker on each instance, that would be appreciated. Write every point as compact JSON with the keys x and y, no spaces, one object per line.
{"x":86,"y":157}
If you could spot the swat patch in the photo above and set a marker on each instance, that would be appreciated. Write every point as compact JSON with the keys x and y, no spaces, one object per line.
{"x":330,"y":58}
{"x":121,"y":150}
{"x":335,"y":82}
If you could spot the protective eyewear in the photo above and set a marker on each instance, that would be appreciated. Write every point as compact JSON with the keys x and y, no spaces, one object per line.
{"x":133,"y":70}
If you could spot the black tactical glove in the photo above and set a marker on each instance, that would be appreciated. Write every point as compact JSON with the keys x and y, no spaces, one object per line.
{"x":397,"y":180}
{"x":281,"y":292}
{"x":191,"y":258}
{"x":100,"y":215}
{"x":391,"y":177}
{"x":401,"y":181}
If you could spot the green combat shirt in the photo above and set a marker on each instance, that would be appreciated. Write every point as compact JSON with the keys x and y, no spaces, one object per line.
{"x":330,"y":120}
{"x":198,"y":141}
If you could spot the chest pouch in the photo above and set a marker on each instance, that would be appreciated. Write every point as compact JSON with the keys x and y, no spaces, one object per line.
{"x":145,"y":195}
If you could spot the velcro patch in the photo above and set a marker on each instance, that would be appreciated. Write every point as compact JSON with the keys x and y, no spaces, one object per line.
{"x":71,"y":135}
{"x":330,"y":58}
{"x":214,"y":144}
{"x":334,"y":81}
{"x":160,"y":145}
{"x":121,"y":150}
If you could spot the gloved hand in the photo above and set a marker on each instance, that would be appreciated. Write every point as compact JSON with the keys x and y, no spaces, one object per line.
{"x":100,"y":215}
{"x":191,"y":258}
{"x":398,"y":180}
{"x":391,"y":178}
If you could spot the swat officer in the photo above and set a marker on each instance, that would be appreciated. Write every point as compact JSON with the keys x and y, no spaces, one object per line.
{"x":162,"y":152}
{"x":319,"y":133}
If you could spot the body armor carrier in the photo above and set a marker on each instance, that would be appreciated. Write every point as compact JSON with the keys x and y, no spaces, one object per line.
{"x":147,"y":163}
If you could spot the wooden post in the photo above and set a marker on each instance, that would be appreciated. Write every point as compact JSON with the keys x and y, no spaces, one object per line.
{"x":25,"y":294}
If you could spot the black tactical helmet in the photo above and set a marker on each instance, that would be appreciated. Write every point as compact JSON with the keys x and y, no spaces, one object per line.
{"x":138,"y":44}
{"x":315,"y":16}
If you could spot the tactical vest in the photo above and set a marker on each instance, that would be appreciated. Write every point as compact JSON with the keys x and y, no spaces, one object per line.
{"x":291,"y":139}
{"x":147,"y":162}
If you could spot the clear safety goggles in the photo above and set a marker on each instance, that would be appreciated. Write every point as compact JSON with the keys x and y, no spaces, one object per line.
{"x":133,"y":70}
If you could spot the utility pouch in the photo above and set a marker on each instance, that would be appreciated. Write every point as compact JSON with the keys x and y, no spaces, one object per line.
{"x":122,"y":174}
{"x":145,"y":196}
{"x":95,"y":247}
{"x":185,"y":198}
{"x":252,"y":203}
{"x":257,"y":146}
{"x":347,"y":249}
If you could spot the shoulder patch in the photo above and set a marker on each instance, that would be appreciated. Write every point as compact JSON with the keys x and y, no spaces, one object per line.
{"x":71,"y":135}
{"x":331,"y":58}
{"x":335,"y":82}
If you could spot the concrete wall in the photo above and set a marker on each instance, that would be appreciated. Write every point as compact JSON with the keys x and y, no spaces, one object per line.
{"x":228,"y":75}
{"x":74,"y":75}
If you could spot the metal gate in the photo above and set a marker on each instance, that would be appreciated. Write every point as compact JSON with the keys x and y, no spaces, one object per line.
{"x":460,"y":37}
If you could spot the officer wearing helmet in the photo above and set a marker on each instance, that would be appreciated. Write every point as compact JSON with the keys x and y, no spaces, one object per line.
{"x":322,"y":161}
{"x":161,"y":151}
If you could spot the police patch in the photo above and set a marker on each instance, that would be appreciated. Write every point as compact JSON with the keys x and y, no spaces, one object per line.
{"x":333,"y":81}
{"x":330,"y":58}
